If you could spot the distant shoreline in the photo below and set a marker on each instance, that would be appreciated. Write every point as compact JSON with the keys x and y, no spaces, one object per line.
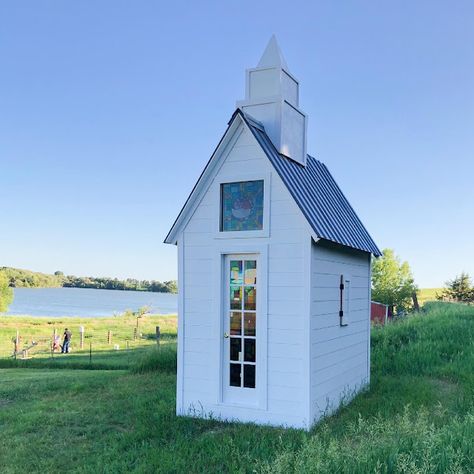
{"x":90,"y":288}
{"x":19,"y":278}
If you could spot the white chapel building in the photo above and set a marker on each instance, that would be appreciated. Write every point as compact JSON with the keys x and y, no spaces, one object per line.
{"x":273,"y":271}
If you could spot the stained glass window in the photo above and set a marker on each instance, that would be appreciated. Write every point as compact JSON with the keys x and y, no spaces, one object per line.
{"x":235,"y":297}
{"x":250,"y":298}
{"x":242,"y":206}
{"x":236,"y":272}
{"x":250,"y":275}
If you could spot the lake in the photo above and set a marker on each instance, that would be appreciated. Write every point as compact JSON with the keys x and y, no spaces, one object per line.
{"x":87,"y":302}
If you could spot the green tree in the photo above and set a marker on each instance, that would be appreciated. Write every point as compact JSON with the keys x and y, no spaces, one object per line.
{"x":6,"y":293}
{"x":392,"y":281}
{"x":19,"y":278}
{"x":459,"y":289}
{"x":172,"y":286}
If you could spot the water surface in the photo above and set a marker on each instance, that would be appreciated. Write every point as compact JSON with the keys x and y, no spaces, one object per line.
{"x":87,"y":302}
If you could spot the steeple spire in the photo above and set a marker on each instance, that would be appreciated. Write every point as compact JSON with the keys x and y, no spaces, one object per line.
{"x":272,"y":56}
{"x":272,"y":98}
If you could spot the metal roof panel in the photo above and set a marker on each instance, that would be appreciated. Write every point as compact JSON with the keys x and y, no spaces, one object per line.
{"x":318,"y":196}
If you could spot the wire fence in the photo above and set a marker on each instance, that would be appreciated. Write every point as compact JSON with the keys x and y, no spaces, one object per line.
{"x":25,"y":338}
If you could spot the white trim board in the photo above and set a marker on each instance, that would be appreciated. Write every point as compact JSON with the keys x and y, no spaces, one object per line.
{"x":181,"y":325}
{"x":224,"y":147}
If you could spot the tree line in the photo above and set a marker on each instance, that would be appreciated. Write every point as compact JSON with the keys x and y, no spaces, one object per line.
{"x":393,"y":284}
{"x":458,"y":289}
{"x":17,"y":278}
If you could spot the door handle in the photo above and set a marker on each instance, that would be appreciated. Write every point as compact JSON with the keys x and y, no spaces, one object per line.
{"x":226,"y":335}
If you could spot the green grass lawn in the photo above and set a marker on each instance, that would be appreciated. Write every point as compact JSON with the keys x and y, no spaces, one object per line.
{"x":122,"y":330}
{"x":418,"y":415}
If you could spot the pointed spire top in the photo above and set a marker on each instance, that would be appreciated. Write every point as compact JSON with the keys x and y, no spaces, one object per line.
{"x":272,"y":98}
{"x":272,"y":55}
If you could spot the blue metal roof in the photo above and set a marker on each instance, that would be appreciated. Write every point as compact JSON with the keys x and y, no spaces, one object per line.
{"x":317,"y":195}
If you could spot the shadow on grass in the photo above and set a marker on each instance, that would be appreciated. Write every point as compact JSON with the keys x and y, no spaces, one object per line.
{"x":138,"y":360}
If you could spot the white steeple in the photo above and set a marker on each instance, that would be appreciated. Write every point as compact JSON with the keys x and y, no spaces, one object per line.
{"x":272,"y":98}
{"x":272,"y":56}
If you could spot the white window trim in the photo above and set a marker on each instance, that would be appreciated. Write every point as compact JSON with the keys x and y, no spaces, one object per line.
{"x":262,"y":321}
{"x":242,"y":234}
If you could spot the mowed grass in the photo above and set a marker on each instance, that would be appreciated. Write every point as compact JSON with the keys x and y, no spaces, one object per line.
{"x":418,"y":415}
{"x":122,"y":330}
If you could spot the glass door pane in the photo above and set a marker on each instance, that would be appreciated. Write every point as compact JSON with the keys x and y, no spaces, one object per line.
{"x":242,"y":314}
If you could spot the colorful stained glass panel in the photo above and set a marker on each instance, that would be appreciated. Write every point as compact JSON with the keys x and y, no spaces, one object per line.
{"x":236,"y":272}
{"x":242,"y":206}
{"x":250,"y":272}
{"x":250,"y":300}
{"x":236,"y":323}
{"x":235,"y":297}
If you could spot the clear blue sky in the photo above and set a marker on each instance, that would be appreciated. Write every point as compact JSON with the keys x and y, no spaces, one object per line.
{"x":110,"y":109}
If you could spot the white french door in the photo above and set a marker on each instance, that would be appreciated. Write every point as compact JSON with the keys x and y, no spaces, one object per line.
{"x":240,"y":354}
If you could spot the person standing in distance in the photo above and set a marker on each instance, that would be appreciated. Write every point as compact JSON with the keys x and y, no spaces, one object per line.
{"x":67,"y":340}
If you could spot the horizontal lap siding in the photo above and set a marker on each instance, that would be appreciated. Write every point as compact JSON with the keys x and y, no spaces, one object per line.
{"x":281,"y":336}
{"x":331,"y":375}
{"x":340,"y":394}
{"x":322,"y":295}
{"x":286,"y":376}
{"x":339,"y":355}
{"x":323,"y":350}
{"x":198,"y":306}
{"x":281,"y":321}
{"x":333,"y":332}
{"x":285,"y":306}
{"x":327,"y":310}
{"x":198,"y":327}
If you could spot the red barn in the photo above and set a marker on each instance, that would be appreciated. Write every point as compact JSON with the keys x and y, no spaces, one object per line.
{"x":378,"y":313}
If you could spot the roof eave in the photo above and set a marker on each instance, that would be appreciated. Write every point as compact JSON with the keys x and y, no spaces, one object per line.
{"x":173,"y":234}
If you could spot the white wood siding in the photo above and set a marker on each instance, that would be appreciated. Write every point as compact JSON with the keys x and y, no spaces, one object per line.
{"x":339,"y":355}
{"x":288,"y":318}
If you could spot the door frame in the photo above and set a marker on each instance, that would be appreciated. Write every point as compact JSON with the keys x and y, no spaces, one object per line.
{"x":261,"y":250}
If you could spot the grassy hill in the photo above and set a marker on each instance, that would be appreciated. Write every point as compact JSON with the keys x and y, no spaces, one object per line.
{"x":417,"y":417}
{"x":428,"y":294}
